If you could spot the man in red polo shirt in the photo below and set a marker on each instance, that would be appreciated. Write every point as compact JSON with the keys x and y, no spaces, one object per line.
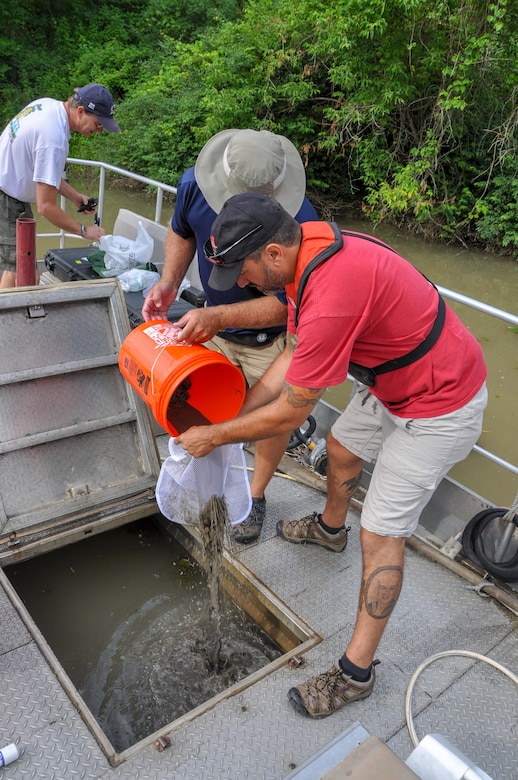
{"x":354,"y":305}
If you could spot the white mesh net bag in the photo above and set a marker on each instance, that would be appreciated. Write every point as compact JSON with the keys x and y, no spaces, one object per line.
{"x":186,"y":484}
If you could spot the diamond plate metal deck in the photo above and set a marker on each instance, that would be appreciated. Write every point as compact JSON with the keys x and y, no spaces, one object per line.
{"x":255,"y":734}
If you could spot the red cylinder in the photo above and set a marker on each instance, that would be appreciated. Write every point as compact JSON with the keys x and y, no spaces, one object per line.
{"x":25,"y":251}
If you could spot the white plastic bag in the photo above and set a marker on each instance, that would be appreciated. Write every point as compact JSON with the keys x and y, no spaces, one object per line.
{"x":186,"y":484}
{"x":122,"y":253}
{"x":184,"y":285}
{"x":137,"y":279}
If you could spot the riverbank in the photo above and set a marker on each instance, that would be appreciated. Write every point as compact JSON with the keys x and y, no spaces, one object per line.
{"x":337,"y":210}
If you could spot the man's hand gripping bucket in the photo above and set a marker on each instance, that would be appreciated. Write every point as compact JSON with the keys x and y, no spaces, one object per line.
{"x":183,"y":385}
{"x":186,"y":484}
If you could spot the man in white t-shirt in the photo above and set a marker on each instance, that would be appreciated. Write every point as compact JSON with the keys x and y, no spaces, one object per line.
{"x":33,"y":154}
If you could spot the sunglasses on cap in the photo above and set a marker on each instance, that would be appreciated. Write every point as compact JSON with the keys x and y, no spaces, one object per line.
{"x":217,"y":257}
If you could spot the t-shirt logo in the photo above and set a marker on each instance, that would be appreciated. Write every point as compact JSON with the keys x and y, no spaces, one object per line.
{"x":15,"y":123}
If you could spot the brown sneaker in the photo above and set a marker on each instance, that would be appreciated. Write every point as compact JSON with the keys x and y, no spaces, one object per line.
{"x":249,"y":530}
{"x":308,"y":530}
{"x":327,"y":692}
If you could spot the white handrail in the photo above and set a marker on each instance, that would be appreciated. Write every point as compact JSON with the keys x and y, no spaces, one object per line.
{"x":160,"y":187}
{"x":479,"y":305}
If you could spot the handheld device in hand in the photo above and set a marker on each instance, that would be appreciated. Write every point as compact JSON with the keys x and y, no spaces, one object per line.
{"x":92,"y":203}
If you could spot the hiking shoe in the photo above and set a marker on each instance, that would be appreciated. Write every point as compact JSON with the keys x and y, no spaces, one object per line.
{"x":308,"y":530}
{"x":249,"y":530}
{"x":327,"y":692}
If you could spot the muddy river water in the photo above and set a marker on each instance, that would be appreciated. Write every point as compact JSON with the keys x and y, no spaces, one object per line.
{"x":127,"y":613}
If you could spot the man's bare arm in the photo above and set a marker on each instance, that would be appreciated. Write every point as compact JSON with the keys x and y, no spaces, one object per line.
{"x":179,"y":253}
{"x":200,"y":325}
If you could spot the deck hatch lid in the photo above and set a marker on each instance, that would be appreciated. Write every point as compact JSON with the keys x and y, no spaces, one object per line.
{"x":74,"y":436}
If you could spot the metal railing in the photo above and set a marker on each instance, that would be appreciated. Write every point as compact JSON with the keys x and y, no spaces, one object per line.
{"x":512,"y":319}
{"x":161,"y":188}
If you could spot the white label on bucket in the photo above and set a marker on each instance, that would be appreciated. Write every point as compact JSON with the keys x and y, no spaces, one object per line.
{"x":163,"y":335}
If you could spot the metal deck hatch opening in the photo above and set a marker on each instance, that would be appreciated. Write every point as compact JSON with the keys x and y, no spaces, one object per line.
{"x":123,"y":618}
{"x":78,"y":469}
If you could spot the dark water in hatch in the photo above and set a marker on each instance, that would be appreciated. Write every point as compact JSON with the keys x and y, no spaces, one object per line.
{"x":128,"y":615}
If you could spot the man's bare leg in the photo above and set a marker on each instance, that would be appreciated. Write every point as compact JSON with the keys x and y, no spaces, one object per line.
{"x":382,"y":579}
{"x":268,"y":453}
{"x":344,"y":470}
{"x":8,"y":280}
{"x":328,"y":529}
{"x":353,"y":677}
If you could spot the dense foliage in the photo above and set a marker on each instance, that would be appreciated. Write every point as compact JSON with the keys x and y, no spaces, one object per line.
{"x":405,"y":107}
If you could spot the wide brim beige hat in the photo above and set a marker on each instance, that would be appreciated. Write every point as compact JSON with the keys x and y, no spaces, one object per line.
{"x":235,"y":161}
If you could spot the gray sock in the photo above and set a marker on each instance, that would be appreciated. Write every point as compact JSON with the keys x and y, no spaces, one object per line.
{"x":356,"y":672}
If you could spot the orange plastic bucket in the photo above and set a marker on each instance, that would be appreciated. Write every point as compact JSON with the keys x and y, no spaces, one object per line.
{"x":182,"y":385}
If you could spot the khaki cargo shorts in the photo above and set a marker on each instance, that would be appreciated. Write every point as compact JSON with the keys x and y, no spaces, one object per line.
{"x":411,"y":456}
{"x":253,"y":361}
{"x":10,"y":210}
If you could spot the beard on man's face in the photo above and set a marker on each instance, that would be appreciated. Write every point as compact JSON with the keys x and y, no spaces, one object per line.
{"x":274,"y":281}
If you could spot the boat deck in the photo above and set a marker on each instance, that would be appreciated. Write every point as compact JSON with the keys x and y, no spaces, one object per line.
{"x":255,"y":734}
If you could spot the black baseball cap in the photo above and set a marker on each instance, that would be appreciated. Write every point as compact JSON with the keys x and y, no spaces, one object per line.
{"x":245,"y":223}
{"x":99,"y":101}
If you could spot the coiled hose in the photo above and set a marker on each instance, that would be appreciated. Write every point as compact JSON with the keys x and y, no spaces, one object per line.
{"x":487,"y":538}
{"x":432,"y":659}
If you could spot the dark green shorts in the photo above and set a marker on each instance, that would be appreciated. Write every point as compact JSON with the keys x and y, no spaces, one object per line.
{"x":10,"y":210}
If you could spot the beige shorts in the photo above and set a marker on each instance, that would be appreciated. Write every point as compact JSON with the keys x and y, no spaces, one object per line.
{"x":411,"y":456}
{"x":253,"y":361}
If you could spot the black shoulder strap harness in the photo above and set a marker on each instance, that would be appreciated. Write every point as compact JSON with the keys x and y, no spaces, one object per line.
{"x":367,"y":376}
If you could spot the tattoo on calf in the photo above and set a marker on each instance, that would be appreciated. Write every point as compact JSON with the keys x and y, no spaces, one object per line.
{"x":352,"y":484}
{"x":379,"y":594}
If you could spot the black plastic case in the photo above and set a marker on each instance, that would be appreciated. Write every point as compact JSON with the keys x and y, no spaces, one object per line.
{"x":72,"y":265}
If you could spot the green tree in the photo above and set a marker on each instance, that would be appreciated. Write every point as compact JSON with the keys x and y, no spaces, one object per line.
{"x":406,"y":107}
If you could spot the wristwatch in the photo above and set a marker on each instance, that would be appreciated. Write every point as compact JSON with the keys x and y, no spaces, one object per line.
{"x":83,"y":230}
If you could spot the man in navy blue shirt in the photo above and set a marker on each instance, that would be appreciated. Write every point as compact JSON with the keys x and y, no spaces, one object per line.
{"x":247,"y":326}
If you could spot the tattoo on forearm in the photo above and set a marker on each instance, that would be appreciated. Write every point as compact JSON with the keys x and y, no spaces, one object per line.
{"x":291,"y":340}
{"x":302,"y":396}
{"x":352,"y":485}
{"x":380,"y":592}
